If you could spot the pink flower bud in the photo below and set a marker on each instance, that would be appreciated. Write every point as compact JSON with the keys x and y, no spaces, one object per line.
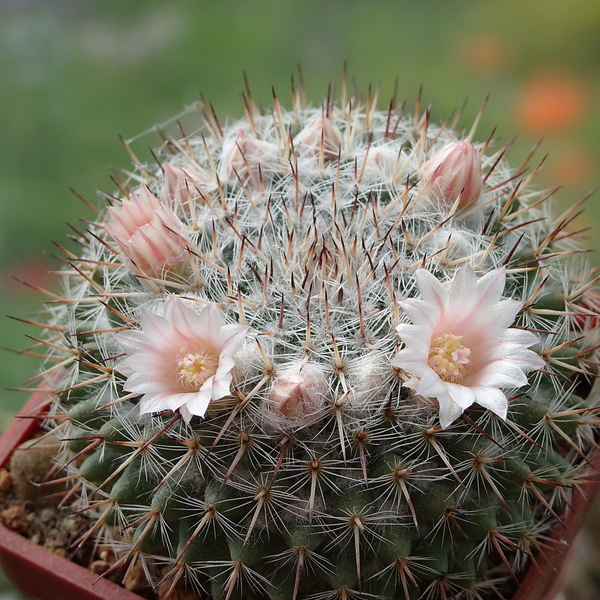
{"x":454,"y":173}
{"x":248,"y":159}
{"x":150,"y":236}
{"x":299,"y":391}
{"x":180,"y":187}
{"x":321,"y":138}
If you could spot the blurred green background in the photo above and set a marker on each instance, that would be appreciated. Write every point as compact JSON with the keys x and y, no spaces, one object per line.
{"x":76,"y":73}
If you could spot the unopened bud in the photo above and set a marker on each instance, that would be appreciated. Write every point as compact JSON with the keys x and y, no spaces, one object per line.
{"x":179,"y":186}
{"x":454,"y":173}
{"x":379,"y":164}
{"x":320,"y":138}
{"x":151,"y":237}
{"x":299,"y":391}
{"x":248,"y":159}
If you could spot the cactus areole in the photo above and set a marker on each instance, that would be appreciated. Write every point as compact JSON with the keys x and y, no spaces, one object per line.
{"x":324,"y":352}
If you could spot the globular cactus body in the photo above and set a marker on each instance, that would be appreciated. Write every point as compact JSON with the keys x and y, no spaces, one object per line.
{"x":326,"y":353}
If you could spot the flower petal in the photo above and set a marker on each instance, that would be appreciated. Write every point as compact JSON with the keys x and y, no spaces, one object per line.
{"x":432,"y":291}
{"x":461,"y":395}
{"x":493,"y":399}
{"x":449,"y":411}
{"x":420,"y":313}
{"x":198,"y":403}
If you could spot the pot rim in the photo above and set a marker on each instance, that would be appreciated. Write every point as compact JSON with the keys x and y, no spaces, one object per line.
{"x":22,"y":559}
{"x":36,"y":571}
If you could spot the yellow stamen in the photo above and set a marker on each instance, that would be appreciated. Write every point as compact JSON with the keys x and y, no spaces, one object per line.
{"x":449,"y":358}
{"x":194,"y":368}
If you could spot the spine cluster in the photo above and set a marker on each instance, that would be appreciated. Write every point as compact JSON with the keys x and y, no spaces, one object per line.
{"x":329,"y":352}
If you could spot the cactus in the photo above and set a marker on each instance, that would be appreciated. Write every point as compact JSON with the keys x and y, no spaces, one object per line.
{"x":331,"y":352}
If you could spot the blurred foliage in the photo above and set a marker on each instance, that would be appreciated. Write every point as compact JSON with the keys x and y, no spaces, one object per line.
{"x":75,"y":73}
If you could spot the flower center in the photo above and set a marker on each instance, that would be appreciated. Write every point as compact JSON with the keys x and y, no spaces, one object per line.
{"x":194,"y":368}
{"x":449,"y":358}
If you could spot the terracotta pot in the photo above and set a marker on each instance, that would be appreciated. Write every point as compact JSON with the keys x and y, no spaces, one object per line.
{"x":36,"y":571}
{"x":47,"y":576}
{"x":544,"y":582}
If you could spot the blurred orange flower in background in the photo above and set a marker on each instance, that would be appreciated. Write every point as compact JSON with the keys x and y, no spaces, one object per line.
{"x":551,"y":101}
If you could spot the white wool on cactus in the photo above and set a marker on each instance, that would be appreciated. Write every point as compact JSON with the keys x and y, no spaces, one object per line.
{"x":460,"y":348}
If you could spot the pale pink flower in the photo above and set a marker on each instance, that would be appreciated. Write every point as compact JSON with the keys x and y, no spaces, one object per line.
{"x":320,"y":138}
{"x":460,"y":348}
{"x":454,"y":173}
{"x":299,"y":391}
{"x":180,"y":361}
{"x":150,"y":236}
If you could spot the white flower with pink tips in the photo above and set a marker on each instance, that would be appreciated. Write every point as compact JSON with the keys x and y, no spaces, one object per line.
{"x":181,"y":361}
{"x":460,"y":348}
